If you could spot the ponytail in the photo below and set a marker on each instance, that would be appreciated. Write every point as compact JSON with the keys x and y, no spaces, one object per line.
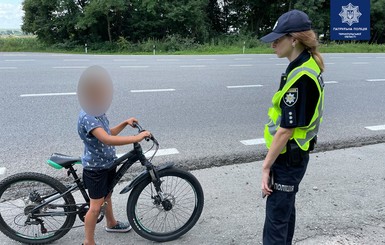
{"x":309,"y":40}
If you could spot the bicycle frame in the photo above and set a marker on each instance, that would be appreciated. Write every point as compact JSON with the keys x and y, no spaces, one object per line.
{"x":127,"y":160}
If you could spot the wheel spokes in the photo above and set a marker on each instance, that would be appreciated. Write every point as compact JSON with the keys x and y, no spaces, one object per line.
{"x":19,"y":199}
{"x":153,"y":217}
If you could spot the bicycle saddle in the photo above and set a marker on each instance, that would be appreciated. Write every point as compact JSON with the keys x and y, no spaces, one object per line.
{"x":64,"y":160}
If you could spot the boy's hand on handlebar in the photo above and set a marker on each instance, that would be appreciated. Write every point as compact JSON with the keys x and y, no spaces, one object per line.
{"x":132,"y":121}
{"x":144,"y":134}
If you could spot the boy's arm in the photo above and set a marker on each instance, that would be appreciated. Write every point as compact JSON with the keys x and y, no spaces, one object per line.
{"x":107,"y":139}
{"x":117,"y":129}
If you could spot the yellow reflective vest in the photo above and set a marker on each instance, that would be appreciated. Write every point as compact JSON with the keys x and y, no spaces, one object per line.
{"x":301,"y":135}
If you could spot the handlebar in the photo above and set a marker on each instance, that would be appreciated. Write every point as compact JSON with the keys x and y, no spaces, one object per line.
{"x":140,"y":129}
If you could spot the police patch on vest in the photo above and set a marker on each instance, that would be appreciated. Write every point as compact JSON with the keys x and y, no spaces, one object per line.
{"x":291,"y":97}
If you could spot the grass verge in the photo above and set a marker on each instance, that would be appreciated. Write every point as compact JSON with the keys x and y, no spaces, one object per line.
{"x":32,"y":44}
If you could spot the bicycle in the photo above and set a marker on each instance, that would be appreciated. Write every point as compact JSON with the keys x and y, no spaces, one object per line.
{"x":164,"y":202}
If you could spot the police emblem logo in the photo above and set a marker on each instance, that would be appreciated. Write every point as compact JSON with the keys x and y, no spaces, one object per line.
{"x":350,"y":14}
{"x":291,"y":97}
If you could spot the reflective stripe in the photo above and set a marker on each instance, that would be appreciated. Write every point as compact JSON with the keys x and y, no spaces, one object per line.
{"x":311,"y":134}
{"x":300,"y":69}
{"x":284,"y":188}
{"x":272,"y":127}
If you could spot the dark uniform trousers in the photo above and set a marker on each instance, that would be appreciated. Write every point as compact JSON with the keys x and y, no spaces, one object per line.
{"x":280,"y":205}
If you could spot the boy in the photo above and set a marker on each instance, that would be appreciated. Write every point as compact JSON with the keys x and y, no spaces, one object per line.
{"x":95,"y":96}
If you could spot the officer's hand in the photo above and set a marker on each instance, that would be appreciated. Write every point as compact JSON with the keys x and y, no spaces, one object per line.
{"x":265,"y":182}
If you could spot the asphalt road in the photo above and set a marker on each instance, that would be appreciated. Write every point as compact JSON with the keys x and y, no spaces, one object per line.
{"x":197,"y":106}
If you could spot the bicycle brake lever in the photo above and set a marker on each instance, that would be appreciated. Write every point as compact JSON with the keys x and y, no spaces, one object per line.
{"x":140,"y":129}
{"x":154,"y":140}
{"x":136,"y":125}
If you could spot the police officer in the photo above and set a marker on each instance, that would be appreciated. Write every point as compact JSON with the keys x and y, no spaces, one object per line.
{"x":294,"y":119}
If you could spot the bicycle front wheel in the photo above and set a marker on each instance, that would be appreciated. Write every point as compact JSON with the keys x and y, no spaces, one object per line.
{"x":169,"y":219}
{"x":20,"y":194}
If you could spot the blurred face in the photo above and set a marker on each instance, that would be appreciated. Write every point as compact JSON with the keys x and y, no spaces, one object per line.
{"x":283,"y":46}
{"x":95,"y":91}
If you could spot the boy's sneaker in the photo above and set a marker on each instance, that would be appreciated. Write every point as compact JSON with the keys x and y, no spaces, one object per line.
{"x":120,"y":227}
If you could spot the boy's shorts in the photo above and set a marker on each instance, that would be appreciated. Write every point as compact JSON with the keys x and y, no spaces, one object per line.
{"x":98,"y":181}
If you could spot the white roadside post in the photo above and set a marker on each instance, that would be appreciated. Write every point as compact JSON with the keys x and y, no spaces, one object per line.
{"x":85,"y":48}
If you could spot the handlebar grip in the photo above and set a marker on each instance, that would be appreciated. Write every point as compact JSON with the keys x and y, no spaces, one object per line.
{"x":140,"y":129}
{"x":136,"y":125}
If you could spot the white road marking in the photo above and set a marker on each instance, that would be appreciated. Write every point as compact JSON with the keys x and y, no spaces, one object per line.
{"x":281,"y":64}
{"x":376,"y":128}
{"x":134,"y":66}
{"x":360,"y":63}
{"x":380,"y":57}
{"x":331,"y":82}
{"x":336,"y":57}
{"x":47,"y":94}
{"x":242,"y":65}
{"x":376,"y":80}
{"x":152,"y":90}
{"x":243,"y":58}
{"x":19,"y":60}
{"x":14,"y":55}
{"x":259,"y":141}
{"x":2,"y":170}
{"x":59,"y":55}
{"x":69,"y":67}
{"x":167,"y":60}
{"x":76,"y":60}
{"x":245,"y":86}
{"x":161,"y":152}
{"x":192,"y":66}
{"x":364,"y":57}
{"x":8,"y":68}
{"x":275,"y":58}
{"x":204,"y":59}
{"x":330,"y":63}
{"x":119,"y":60}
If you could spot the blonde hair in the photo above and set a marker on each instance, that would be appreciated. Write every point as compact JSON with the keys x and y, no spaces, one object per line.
{"x":309,"y":40}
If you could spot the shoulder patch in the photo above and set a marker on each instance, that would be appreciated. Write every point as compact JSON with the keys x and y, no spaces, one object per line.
{"x":291,"y":97}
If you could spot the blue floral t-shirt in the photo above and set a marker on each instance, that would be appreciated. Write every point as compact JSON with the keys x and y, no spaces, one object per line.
{"x":97,"y":155}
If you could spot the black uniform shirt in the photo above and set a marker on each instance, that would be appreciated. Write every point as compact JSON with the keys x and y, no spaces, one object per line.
{"x":300,"y":101}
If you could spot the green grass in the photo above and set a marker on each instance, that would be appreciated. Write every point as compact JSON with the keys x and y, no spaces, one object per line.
{"x":31,"y":44}
{"x":352,"y":48}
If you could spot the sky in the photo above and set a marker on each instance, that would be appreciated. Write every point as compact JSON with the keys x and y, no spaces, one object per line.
{"x":11,"y":14}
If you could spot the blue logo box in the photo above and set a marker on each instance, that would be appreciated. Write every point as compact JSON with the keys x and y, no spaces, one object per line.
{"x":350,"y":19}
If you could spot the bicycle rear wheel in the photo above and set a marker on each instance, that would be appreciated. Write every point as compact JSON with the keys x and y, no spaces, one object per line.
{"x":20,"y":194}
{"x":176,"y":215}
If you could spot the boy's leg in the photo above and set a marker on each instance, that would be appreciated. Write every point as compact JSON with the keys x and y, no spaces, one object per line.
{"x":96,"y":182}
{"x":91,"y":219}
{"x":112,"y":224}
{"x":110,"y":219}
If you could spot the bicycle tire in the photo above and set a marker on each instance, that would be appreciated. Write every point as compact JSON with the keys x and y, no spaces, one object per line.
{"x":137,"y":222}
{"x":33,"y":180}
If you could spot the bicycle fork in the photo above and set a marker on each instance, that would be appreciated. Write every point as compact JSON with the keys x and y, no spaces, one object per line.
{"x":160,"y":198}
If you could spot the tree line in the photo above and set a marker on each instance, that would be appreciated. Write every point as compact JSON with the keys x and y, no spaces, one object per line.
{"x":96,"y":21}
